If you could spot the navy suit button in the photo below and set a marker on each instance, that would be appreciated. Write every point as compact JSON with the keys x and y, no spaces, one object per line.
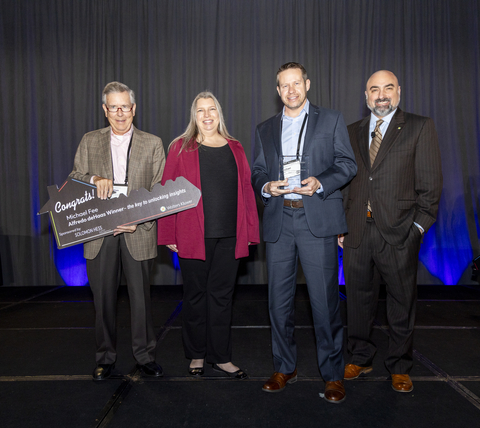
{"x":370,"y":178}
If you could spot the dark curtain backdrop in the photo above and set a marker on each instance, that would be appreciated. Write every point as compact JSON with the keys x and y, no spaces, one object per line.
{"x":56,"y":56}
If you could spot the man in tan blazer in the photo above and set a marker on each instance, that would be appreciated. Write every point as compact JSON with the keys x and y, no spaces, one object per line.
{"x":389,"y":205}
{"x":121,"y":158}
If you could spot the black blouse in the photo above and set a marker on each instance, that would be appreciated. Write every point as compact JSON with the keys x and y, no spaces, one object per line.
{"x":219,"y":180}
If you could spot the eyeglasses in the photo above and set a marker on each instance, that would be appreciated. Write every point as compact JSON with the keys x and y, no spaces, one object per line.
{"x":115,"y":109}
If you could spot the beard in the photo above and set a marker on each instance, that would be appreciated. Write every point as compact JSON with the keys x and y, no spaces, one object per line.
{"x":383,"y":111}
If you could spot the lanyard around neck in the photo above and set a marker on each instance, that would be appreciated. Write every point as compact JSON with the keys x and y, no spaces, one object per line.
{"x":128,"y":162}
{"x":300,"y":135}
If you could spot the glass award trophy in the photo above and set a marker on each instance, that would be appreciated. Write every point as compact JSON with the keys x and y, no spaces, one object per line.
{"x":294,"y":169}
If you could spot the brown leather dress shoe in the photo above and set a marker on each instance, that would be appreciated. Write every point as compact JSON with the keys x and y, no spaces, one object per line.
{"x":352,"y":371}
{"x":278,"y":381}
{"x":402,"y":383}
{"x":335,"y":392}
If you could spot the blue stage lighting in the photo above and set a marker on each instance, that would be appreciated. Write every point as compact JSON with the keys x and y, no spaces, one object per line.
{"x":71,"y":265}
{"x":176,"y":264}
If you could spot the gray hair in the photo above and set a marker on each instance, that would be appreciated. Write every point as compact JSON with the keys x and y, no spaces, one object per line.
{"x":192,"y":137}
{"x":117,"y":87}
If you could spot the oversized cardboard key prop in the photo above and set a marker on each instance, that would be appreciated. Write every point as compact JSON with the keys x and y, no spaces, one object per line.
{"x":78,"y":216}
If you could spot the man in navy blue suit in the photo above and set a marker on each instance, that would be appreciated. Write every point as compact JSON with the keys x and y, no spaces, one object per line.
{"x":302,"y":217}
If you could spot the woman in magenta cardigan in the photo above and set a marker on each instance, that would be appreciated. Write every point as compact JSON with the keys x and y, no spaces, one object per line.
{"x":211,"y":237}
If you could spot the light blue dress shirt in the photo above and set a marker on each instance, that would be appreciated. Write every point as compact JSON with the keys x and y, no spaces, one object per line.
{"x":291,"y":127}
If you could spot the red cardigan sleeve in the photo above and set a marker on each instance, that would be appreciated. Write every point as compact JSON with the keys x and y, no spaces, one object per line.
{"x":247,"y":216}
{"x":166,"y":225}
{"x":186,"y":228}
{"x":250,"y":204}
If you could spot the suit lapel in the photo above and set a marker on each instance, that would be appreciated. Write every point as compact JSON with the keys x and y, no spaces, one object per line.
{"x":106,"y":153}
{"x":313,"y":117}
{"x":393,"y":131}
{"x":277,"y":138}
{"x":362,"y":139}
{"x":135,"y":155}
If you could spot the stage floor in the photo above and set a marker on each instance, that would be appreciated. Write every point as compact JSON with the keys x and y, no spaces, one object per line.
{"x":48,"y":354}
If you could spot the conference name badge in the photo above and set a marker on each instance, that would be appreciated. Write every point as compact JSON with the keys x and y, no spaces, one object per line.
{"x":119,"y":189}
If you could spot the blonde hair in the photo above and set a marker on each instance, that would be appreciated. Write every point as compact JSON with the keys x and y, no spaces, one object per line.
{"x":192,"y":133}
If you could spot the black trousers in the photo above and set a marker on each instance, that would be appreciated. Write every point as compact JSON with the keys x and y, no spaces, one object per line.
{"x":398,"y":267}
{"x":104,"y":275}
{"x":207,"y":301}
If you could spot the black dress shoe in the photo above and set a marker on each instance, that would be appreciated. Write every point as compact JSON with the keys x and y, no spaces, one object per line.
{"x":103,"y":371}
{"x":196,"y":371}
{"x":239,"y":374}
{"x":151,"y":369}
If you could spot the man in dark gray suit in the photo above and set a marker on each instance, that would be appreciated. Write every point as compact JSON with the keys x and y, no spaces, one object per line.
{"x":121,"y":158}
{"x":302,"y":216}
{"x":390,"y":204}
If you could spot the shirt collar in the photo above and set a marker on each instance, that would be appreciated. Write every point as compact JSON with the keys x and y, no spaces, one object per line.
{"x":305,"y":109}
{"x":118,"y":140}
{"x":386,"y":120}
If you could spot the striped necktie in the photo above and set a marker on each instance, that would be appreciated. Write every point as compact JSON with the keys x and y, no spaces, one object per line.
{"x":374,"y":146}
{"x":376,"y":141}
